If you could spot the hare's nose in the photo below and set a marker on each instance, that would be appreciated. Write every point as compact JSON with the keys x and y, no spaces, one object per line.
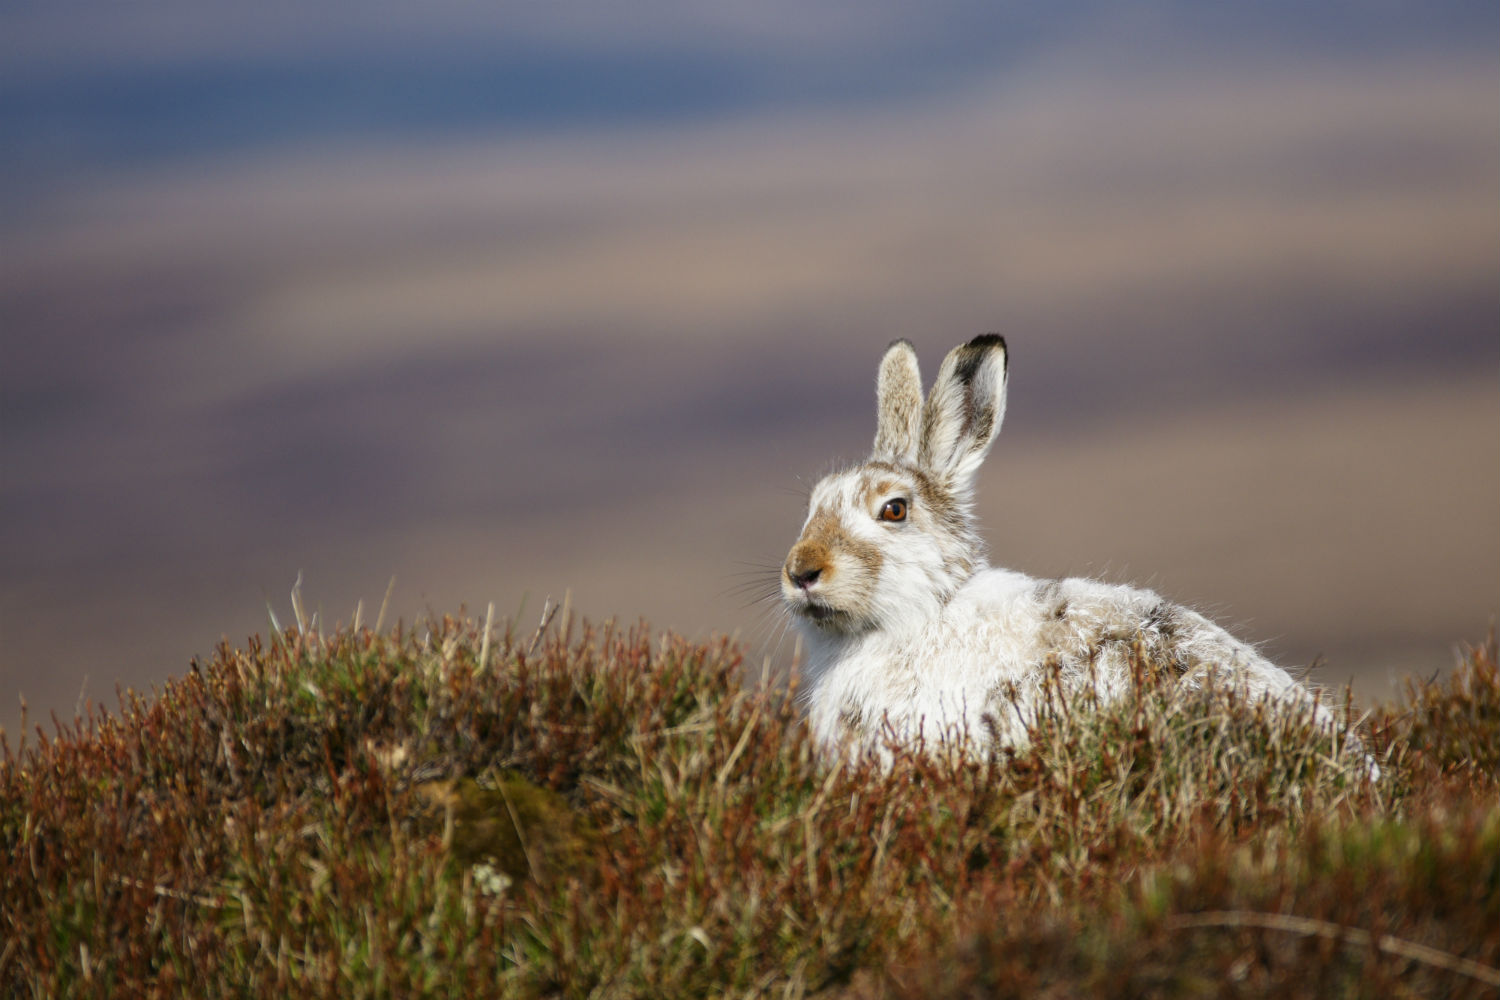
{"x":807,"y":563}
{"x":804,"y":578}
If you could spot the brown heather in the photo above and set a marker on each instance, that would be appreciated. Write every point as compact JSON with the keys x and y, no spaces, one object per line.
{"x":611,"y":814}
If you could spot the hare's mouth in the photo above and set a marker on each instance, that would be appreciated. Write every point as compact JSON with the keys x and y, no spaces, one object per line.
{"x":824,"y":614}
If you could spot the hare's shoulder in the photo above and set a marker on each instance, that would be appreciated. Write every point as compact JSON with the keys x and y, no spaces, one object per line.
{"x":992,"y":589}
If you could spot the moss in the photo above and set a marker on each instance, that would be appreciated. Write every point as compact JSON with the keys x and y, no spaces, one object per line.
{"x":528,"y":832}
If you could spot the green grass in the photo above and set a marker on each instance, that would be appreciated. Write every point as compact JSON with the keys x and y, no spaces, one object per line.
{"x":608,"y":813}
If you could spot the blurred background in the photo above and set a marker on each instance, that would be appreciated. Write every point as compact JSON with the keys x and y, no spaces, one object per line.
{"x":505,"y":300}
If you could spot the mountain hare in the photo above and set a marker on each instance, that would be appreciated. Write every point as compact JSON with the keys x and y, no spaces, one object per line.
{"x":909,"y":632}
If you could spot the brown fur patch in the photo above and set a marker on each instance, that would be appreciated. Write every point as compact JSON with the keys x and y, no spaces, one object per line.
{"x":944,"y":507}
{"x":880,"y":465}
{"x":1163,"y":628}
{"x":827,"y":531}
{"x":808,"y":555}
{"x":1107,"y":640}
{"x":1164,"y":620}
{"x":851,"y":721}
{"x":881,"y":490}
{"x":882,"y":481}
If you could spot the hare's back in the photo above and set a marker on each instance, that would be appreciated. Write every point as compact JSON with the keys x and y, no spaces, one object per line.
{"x":1092,"y":629}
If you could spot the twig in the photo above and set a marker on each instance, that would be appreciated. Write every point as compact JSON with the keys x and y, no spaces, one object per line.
{"x":566,"y":625}
{"x":484,"y":646}
{"x":549,"y":611}
{"x":739,"y":748}
{"x":297,"y":606}
{"x":168,"y":893}
{"x":380,"y":619}
{"x":1355,"y":936}
{"x":809,"y":832}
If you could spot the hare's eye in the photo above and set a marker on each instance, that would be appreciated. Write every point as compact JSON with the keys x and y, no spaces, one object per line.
{"x":894,"y":510}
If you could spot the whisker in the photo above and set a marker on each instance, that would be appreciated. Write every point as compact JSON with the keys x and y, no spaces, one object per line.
{"x":752,"y":592}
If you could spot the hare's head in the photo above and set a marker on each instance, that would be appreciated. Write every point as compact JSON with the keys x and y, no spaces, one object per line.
{"x":887,"y":543}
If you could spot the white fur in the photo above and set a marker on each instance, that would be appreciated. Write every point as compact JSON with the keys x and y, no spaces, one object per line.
{"x":910,"y":634}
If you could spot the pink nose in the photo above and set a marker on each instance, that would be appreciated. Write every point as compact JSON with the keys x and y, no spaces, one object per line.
{"x":806,"y":578}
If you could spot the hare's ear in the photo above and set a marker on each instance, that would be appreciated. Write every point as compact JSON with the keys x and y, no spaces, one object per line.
{"x":964,"y":410}
{"x":898,"y":392}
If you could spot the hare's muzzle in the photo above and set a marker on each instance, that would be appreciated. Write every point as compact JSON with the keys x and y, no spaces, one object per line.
{"x":807,"y":563}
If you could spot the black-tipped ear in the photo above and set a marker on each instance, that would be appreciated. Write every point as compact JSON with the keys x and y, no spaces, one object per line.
{"x":898,"y":392}
{"x":965,"y":409}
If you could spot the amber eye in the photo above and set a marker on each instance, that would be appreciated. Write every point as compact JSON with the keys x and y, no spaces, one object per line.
{"x":894,"y":510}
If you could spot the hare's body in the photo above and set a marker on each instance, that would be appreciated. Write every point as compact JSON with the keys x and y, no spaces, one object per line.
{"x":909,"y":634}
{"x":980,"y":667}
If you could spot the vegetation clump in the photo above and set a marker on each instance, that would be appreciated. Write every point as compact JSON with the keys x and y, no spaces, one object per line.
{"x":608,"y":813}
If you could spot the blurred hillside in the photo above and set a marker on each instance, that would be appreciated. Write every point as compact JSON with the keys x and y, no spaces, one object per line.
{"x":508,"y":302}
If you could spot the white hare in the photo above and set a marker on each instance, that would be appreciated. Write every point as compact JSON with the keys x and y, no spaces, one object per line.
{"x":908,"y":631}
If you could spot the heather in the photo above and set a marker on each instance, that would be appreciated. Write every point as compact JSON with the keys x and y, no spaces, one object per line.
{"x":454,"y":810}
